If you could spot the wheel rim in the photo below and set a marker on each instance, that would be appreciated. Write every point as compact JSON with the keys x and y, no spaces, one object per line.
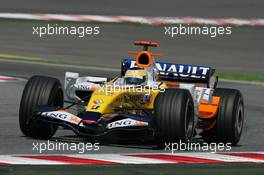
{"x":239,"y":119}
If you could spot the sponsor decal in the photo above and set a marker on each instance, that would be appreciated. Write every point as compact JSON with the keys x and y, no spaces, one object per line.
{"x":83,"y":87}
{"x":125,"y":123}
{"x":74,"y":119}
{"x":143,"y":99}
{"x":140,"y":123}
{"x":98,"y":101}
{"x":86,"y":86}
{"x":94,"y":107}
{"x":62,"y":115}
{"x":56,"y":114}
{"x":175,"y":71}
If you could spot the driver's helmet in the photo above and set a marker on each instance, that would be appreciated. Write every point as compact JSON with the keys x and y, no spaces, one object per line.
{"x":135,"y":76}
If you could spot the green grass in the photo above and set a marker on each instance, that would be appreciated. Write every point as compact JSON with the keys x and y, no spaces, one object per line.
{"x":241,"y":76}
{"x":160,"y":169}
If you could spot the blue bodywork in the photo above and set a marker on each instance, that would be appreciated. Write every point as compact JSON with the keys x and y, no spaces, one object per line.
{"x":176,"y":72}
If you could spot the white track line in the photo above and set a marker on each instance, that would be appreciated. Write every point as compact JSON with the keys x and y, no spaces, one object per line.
{"x":120,"y":159}
{"x":219,"y":157}
{"x":26,"y":161}
{"x":135,"y":19}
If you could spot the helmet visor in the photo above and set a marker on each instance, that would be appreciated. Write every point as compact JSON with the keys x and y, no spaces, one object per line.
{"x":134,"y":80}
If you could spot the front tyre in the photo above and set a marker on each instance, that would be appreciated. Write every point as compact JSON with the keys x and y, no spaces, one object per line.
{"x":174,"y":116}
{"x":39,"y":90}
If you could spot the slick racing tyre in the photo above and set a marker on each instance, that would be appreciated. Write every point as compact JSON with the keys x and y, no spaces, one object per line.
{"x":174,"y":116}
{"x":230,"y":117}
{"x":39,"y":90}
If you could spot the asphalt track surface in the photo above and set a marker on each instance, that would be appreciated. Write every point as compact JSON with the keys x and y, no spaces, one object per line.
{"x":13,"y":142}
{"x":202,"y":8}
{"x":240,"y":52}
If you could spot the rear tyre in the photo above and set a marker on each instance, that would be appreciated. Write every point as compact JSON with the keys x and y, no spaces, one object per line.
{"x":39,"y":90}
{"x":230,"y":117}
{"x":174,"y":116}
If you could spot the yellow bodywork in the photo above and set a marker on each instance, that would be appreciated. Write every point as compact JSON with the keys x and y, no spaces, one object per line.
{"x":107,"y":99}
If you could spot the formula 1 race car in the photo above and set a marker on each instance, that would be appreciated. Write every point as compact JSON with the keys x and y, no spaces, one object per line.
{"x":169,"y":102}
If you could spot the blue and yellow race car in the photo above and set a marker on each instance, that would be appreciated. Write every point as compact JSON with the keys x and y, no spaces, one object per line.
{"x":169,"y":102}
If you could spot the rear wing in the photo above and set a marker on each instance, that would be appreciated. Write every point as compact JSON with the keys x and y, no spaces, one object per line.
{"x":176,"y":72}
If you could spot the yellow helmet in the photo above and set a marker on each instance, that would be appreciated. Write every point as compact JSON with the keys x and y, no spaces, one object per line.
{"x":135,"y":77}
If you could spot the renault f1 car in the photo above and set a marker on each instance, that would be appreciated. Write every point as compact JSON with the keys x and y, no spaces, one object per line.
{"x":171,"y":102}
